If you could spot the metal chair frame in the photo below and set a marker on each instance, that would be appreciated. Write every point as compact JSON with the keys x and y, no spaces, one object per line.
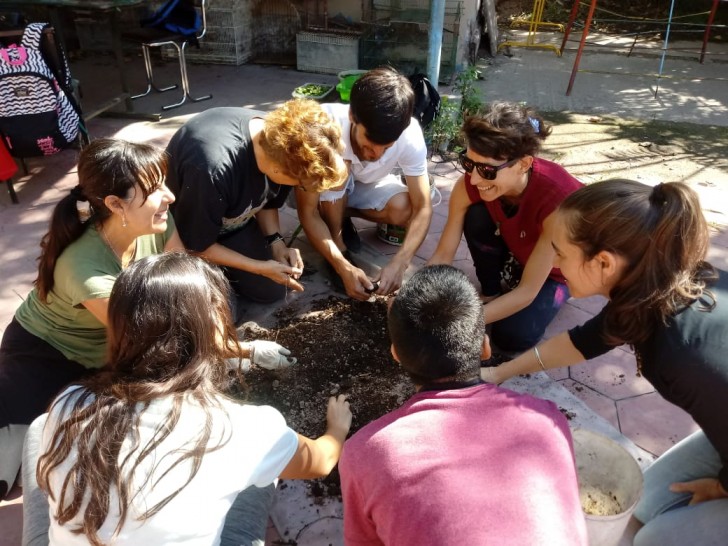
{"x":180,"y":43}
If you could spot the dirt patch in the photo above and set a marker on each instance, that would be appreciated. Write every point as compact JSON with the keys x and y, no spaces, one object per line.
{"x":342,"y":347}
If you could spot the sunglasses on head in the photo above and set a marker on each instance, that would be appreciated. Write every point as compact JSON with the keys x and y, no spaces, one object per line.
{"x":489,"y":172}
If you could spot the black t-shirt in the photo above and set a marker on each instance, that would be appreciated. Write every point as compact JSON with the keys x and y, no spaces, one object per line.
{"x":686,"y":361}
{"x":215,"y":178}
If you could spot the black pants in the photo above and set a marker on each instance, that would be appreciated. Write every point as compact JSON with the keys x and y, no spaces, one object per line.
{"x":32,"y":373}
{"x":249,"y":287}
{"x":526,"y":327}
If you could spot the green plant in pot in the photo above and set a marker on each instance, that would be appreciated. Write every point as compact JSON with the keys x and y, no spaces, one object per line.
{"x":445,"y":128}
{"x":443,"y":133}
{"x":465,"y":87}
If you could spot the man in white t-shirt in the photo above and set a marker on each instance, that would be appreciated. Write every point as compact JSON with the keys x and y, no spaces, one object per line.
{"x":380,"y":136}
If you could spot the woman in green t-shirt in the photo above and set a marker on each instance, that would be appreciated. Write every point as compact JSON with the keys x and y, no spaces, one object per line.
{"x":118,"y":213}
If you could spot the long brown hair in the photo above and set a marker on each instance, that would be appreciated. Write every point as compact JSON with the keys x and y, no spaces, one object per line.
{"x":170,"y":331}
{"x":663,"y":236}
{"x":106,"y":167}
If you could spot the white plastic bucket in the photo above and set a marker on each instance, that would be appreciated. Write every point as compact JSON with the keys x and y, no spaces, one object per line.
{"x":610,"y":482}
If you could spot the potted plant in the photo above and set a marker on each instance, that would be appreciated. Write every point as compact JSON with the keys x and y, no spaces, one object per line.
{"x":443,"y":133}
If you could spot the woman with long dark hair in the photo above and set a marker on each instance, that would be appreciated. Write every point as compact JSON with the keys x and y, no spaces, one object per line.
{"x":644,"y":249}
{"x":150,"y":450}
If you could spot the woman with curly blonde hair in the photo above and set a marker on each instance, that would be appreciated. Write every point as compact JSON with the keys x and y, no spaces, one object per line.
{"x":231,"y":169}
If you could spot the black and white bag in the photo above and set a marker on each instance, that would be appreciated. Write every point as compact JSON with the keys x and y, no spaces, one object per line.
{"x":38,"y":114}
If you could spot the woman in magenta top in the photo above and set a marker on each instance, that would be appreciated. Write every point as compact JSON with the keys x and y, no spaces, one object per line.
{"x":504,"y":205}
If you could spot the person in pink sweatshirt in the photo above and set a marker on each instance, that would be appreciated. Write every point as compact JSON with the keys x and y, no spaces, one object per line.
{"x":462,"y":461}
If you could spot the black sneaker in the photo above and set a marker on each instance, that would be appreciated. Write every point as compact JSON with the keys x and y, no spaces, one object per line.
{"x":350,"y":236}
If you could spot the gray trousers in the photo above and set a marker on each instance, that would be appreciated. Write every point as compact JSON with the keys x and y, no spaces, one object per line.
{"x":245,"y":524}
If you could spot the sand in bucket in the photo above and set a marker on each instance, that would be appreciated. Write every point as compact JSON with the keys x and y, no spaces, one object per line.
{"x":610,"y":484}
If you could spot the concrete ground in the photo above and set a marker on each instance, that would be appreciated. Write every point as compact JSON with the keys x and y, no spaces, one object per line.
{"x":604,"y":393}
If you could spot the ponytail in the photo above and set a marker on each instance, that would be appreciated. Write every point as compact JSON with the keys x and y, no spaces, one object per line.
{"x":65,"y":227}
{"x":106,"y":167}
{"x":663,"y":237}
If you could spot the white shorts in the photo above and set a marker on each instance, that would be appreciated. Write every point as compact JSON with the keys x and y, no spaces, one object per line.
{"x":374,"y":195}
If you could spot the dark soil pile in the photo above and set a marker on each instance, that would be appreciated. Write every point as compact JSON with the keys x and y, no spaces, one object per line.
{"x":342,"y":347}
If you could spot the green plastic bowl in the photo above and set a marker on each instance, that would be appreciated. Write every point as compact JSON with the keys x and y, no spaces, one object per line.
{"x":345,"y":85}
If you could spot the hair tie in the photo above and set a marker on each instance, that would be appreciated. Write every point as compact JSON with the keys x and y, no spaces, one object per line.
{"x":77,"y":193}
{"x":657,"y":195}
{"x":535,"y":124}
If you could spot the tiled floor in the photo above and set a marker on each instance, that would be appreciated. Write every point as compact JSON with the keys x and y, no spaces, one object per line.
{"x":607,"y":384}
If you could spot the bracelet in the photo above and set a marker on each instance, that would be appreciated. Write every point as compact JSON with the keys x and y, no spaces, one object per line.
{"x":538,"y":358}
{"x":273,"y":238}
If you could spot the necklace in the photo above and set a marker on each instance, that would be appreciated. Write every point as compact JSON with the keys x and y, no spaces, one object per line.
{"x":108,"y":243}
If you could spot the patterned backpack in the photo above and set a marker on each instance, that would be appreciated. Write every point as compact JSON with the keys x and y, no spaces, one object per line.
{"x":38,"y":114}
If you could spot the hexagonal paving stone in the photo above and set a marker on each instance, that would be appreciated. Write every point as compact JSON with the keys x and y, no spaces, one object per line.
{"x":653,"y":423}
{"x":601,"y":404}
{"x":613,"y":374}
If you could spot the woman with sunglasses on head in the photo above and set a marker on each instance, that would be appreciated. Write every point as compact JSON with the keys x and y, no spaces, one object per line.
{"x":644,"y":249}
{"x":151,"y":450}
{"x":504,"y":205}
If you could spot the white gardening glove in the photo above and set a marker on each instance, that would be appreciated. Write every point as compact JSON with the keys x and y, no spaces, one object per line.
{"x":238,"y":363}
{"x":270,"y":355}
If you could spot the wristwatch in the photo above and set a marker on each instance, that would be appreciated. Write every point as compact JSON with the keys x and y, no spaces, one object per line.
{"x":273,"y":238}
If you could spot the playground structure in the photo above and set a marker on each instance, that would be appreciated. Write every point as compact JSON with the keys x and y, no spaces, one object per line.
{"x":670,"y":23}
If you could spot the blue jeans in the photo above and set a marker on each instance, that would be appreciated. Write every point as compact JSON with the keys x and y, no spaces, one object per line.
{"x":667,"y":517}
{"x":523,"y":329}
{"x":245,"y":524}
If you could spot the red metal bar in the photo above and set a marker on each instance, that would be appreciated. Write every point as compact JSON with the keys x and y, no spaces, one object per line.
{"x":584,"y":34}
{"x":706,"y":35}
{"x":572,"y":17}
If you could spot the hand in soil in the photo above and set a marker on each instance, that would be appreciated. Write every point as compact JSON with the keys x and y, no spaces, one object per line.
{"x":390,"y":279}
{"x":342,"y":348}
{"x":338,"y":417}
{"x":357,"y":284}
{"x":270,"y":355}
